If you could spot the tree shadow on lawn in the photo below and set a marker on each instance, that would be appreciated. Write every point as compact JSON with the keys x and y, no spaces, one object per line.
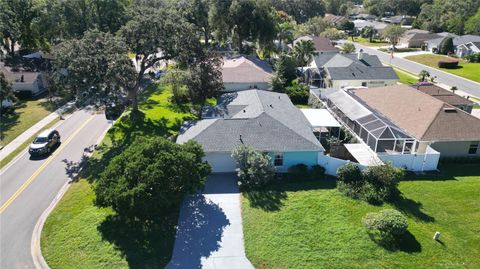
{"x":271,"y":197}
{"x":405,"y":243}
{"x":143,"y":246}
{"x":200,"y":228}
{"x":411,"y":208}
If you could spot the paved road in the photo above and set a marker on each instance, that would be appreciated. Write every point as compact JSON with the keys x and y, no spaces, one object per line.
{"x":465,"y":85}
{"x":27,"y":187}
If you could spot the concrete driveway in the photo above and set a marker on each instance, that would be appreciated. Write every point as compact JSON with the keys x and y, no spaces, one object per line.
{"x":210,"y":233}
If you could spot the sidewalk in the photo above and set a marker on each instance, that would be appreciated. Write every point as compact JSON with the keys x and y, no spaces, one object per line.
{"x":17,"y":142}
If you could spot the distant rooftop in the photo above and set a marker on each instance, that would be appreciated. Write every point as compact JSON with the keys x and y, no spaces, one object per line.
{"x":243,"y":69}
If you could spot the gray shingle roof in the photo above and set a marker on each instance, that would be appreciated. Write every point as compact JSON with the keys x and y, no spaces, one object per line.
{"x":349,"y":67}
{"x":268,"y":122}
{"x":357,"y":71}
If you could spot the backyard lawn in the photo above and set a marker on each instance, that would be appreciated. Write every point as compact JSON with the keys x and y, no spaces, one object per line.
{"x":79,"y":235}
{"x":467,"y":70}
{"x":27,"y":113}
{"x":309,"y":224}
{"x":366,"y":42}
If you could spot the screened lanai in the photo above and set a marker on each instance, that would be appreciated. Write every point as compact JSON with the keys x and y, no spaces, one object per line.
{"x":379,"y":133}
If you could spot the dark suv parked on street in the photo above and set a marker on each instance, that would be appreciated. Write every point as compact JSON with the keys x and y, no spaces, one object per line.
{"x":44,"y":142}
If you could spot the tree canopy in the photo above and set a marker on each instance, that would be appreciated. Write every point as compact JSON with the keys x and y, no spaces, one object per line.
{"x":151,"y":177}
{"x":97,"y":65}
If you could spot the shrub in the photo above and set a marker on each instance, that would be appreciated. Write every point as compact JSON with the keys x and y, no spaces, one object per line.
{"x":298,"y":171}
{"x":384,"y":178}
{"x":255,"y":168}
{"x":448,"y":64}
{"x":350,"y":174}
{"x":386,"y":225}
{"x":317,"y":172}
{"x":473,"y":58}
{"x":298,"y":92}
{"x":374,"y":185}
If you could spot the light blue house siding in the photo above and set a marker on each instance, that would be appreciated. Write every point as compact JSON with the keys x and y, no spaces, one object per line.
{"x":308,"y":158}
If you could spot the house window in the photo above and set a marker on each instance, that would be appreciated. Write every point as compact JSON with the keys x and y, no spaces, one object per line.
{"x":278,"y":160}
{"x":473,"y":148}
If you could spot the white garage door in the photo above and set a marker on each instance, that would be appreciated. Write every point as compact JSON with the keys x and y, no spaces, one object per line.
{"x":221,"y":162}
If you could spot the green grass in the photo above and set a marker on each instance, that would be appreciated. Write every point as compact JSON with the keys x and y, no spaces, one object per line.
{"x":404,"y":77}
{"x":311,"y":225}
{"x":79,"y":235}
{"x":366,"y":42}
{"x":25,"y":144}
{"x":467,"y":70}
{"x":27,"y":113}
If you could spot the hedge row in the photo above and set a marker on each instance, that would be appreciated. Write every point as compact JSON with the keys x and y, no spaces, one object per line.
{"x":448,"y":64}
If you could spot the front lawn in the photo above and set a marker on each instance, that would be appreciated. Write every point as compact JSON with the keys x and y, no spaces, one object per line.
{"x":309,"y":224}
{"x":366,"y":42}
{"x":404,"y":77}
{"x":467,"y":70}
{"x":27,"y":113}
{"x":78,"y":234}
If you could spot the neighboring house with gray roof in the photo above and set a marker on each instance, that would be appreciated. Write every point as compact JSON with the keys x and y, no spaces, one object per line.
{"x":379,"y":26}
{"x":322,"y":44}
{"x":25,"y":83}
{"x":244,"y":73}
{"x":415,"y":39}
{"x":469,"y":48}
{"x":345,"y":70}
{"x":266,"y":121}
{"x":460,"y":43}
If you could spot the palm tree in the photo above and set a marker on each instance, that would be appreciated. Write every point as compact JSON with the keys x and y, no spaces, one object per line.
{"x":454,"y":89}
{"x":303,"y":52}
{"x":423,"y":75}
{"x":369,"y":32}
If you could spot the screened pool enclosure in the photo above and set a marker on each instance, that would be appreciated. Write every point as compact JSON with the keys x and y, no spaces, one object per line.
{"x":379,"y":133}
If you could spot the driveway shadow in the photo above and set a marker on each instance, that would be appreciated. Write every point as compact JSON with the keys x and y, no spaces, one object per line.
{"x":200,"y":228}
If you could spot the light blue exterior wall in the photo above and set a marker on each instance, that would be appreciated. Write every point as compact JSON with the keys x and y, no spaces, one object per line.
{"x":308,"y":158}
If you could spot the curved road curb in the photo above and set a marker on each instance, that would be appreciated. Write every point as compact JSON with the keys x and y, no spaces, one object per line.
{"x":35,"y":247}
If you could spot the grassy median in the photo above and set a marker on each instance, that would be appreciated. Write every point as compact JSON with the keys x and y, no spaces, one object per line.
{"x":309,"y":224}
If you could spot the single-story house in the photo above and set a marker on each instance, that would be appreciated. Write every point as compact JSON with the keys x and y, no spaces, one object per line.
{"x":334,"y":19}
{"x":265,"y":120}
{"x":420,"y":121}
{"x":25,"y":83}
{"x":345,"y":70}
{"x":468,"y":48}
{"x":434,"y":44}
{"x":363,"y":16}
{"x":446,"y":96}
{"x":403,"y":20}
{"x":416,"y":39}
{"x":244,"y":73}
{"x":379,"y":26}
{"x":322,"y":44}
